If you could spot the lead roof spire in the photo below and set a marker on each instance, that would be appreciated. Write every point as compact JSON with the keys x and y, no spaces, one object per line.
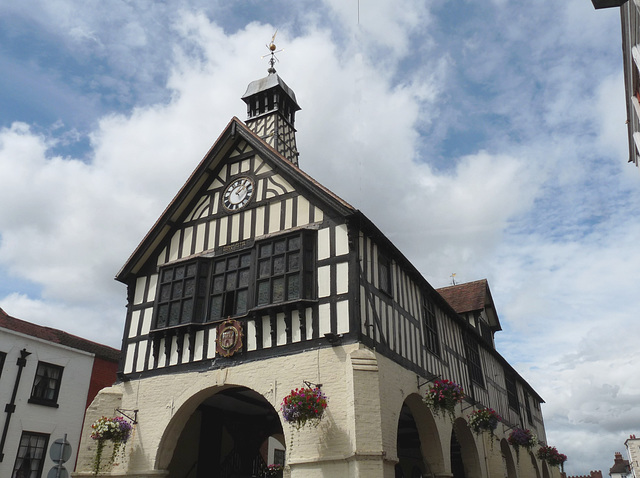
{"x":271,"y":109}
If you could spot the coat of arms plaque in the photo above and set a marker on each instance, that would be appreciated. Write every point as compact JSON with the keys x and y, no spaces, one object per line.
{"x":229,"y":338}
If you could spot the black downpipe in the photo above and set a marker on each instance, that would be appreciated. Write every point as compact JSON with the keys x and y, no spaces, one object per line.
{"x":11,"y":406}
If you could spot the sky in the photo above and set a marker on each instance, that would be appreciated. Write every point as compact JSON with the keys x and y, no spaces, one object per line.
{"x":486,"y":138}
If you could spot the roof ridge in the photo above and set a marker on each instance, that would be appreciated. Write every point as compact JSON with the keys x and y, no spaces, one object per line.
{"x":463,"y":284}
{"x":57,"y":336}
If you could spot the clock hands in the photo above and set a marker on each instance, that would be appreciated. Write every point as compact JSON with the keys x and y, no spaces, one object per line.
{"x":238,"y":194}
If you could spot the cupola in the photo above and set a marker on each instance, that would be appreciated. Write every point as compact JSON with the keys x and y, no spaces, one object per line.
{"x":271,"y":111}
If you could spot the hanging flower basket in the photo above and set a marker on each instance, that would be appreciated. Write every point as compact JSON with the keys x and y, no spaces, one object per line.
{"x":116,"y":430}
{"x":522,"y":438}
{"x":304,"y":406}
{"x":484,"y":420}
{"x":274,"y":470}
{"x":443,"y":397}
{"x":551,"y":456}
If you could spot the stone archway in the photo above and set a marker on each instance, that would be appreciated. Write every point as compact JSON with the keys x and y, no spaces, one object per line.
{"x":507,"y":459}
{"x":465,"y":461}
{"x":534,"y":464}
{"x":234,"y":432}
{"x":546,"y":473}
{"x":419,"y":447}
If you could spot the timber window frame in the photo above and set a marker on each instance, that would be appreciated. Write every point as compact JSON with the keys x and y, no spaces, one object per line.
{"x":32,"y":452}
{"x":272,"y":271}
{"x":430,"y":327}
{"x":180,"y":294}
{"x":385,"y":283}
{"x":285,"y":270}
{"x":474,"y":363}
{"x":46,"y":384}
{"x":230,"y":286}
{"x":512,"y":391}
{"x":527,"y":408}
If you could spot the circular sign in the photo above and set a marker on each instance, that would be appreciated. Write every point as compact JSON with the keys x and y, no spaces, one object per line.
{"x":60,"y":450}
{"x":58,"y":471}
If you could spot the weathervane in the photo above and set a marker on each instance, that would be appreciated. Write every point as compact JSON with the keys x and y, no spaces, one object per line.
{"x":272,"y":51}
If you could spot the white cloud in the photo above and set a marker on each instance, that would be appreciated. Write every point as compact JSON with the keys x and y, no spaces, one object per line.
{"x":540,"y":201}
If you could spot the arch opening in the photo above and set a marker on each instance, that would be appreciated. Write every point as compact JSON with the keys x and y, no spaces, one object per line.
{"x":507,"y":459}
{"x":457,"y":465}
{"x":411,"y":462}
{"x":465,"y":460}
{"x":235,"y":433}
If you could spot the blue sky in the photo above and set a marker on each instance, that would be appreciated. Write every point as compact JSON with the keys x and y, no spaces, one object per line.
{"x":486,"y":138}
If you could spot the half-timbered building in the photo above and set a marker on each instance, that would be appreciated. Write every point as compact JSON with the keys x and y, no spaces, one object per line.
{"x":257,"y":280}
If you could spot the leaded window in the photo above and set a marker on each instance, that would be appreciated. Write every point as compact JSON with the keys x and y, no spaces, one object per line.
{"x":180,"y":296}
{"x":46,"y":385}
{"x":527,"y":407}
{"x":473,"y":360}
{"x":230,"y":286}
{"x":384,"y":275}
{"x":284,"y":271}
{"x":430,"y":328}
{"x":512,"y":391}
{"x":274,"y":271}
{"x":31,"y":455}
{"x":485,"y":332}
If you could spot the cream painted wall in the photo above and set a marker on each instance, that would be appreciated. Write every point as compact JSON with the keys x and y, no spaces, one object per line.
{"x":356,"y":438}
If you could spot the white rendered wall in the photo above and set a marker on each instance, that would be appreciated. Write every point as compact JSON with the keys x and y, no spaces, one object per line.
{"x":67,"y":418}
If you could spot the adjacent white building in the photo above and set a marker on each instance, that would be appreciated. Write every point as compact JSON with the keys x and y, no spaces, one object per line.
{"x":47,"y":379}
{"x":633,"y":450}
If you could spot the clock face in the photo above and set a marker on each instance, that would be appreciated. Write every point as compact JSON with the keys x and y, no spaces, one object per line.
{"x":238,"y":194}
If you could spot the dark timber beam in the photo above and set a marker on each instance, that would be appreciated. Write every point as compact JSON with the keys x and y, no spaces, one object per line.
{"x":11,"y":406}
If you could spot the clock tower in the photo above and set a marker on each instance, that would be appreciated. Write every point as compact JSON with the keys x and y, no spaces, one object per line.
{"x":271,"y":110}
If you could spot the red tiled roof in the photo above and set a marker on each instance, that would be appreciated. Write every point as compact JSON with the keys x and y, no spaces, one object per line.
{"x":466,"y":297}
{"x":58,"y":337}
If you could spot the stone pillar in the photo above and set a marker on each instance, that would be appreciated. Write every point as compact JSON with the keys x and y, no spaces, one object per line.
{"x":365,"y":414}
{"x":106,"y":401}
